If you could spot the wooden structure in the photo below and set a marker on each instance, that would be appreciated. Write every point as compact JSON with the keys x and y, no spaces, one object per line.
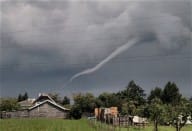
{"x":103,"y":113}
{"x":43,"y":106}
{"x":26,"y":103}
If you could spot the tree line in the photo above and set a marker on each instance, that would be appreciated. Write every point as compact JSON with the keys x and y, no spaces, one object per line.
{"x":165,"y":106}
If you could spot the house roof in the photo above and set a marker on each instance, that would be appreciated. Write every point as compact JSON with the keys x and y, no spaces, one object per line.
{"x":51,"y":102}
{"x":27,"y":102}
{"x":44,"y":96}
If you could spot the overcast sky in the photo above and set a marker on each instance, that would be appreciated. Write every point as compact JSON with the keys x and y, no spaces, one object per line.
{"x":44,"y":43}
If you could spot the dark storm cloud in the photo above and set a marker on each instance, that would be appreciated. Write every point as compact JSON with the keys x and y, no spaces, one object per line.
{"x":64,"y":36}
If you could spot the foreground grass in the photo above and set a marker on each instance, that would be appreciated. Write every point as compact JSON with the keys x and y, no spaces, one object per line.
{"x":161,"y":128}
{"x":105,"y":127}
{"x":69,"y":125}
{"x":44,"y":125}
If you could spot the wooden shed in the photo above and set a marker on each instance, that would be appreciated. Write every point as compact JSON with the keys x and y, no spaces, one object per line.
{"x":48,"y":109}
{"x":43,"y":106}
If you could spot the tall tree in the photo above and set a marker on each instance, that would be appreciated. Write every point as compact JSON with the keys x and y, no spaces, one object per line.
{"x":155,"y":93}
{"x":109,"y":100}
{"x":19,"y":98}
{"x":135,"y":93}
{"x":25,"y":96}
{"x":22,"y":97}
{"x":171,"y":94}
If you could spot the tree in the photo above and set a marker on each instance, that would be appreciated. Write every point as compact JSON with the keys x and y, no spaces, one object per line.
{"x":19,"y":98}
{"x":86,"y":102}
{"x":135,"y":93}
{"x":179,"y":114}
{"x":156,"y":110}
{"x":190,"y":99}
{"x":155,"y":93}
{"x":171,"y":94}
{"x":109,"y":100}
{"x":76,"y":112}
{"x":25,"y":96}
{"x":55,"y":97}
{"x":22,"y":97}
{"x":66,"y":101}
{"x":8,"y":104}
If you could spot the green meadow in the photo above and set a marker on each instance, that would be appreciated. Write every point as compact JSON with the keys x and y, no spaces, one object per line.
{"x":69,"y":125}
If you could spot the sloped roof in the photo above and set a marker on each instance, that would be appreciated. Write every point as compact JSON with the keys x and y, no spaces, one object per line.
{"x":51,"y":102}
{"x":43,"y":95}
{"x":27,"y":102}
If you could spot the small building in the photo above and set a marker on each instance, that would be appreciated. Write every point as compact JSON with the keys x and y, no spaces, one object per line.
{"x":26,"y":103}
{"x":104,"y":113}
{"x":43,"y":106}
{"x":48,"y":109}
{"x":139,"y":120}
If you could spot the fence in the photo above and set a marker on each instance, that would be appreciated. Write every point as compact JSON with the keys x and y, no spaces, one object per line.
{"x":14,"y":114}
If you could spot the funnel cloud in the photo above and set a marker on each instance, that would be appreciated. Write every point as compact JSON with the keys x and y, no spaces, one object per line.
{"x":115,"y":53}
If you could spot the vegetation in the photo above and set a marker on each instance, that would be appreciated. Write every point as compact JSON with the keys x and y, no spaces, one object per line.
{"x":68,"y":125}
{"x":8,"y":104}
{"x":43,"y":125}
{"x":22,"y":97}
{"x":163,"y":106}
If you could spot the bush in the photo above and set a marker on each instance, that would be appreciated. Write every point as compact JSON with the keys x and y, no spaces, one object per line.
{"x":76,"y":112}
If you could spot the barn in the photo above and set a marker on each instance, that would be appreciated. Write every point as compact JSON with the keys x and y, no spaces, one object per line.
{"x":44,"y":106}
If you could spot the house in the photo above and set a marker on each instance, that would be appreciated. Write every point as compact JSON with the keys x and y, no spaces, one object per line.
{"x":26,"y":103}
{"x":43,"y":106}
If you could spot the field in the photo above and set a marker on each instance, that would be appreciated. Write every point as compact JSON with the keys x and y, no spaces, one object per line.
{"x":67,"y":125}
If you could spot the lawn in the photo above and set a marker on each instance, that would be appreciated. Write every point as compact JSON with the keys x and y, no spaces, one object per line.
{"x":67,"y":125}
{"x":44,"y":125}
{"x":161,"y":128}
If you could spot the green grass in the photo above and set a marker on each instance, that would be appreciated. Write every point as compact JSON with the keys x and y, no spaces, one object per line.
{"x":68,"y":125}
{"x":161,"y":128}
{"x":44,"y":125}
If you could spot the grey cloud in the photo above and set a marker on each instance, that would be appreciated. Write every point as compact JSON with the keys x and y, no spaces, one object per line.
{"x":76,"y":27}
{"x":62,"y":34}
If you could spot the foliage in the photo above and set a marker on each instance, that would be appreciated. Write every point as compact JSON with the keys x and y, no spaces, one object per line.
{"x":76,"y":112}
{"x":65,"y":101}
{"x":8,"y":104}
{"x":156,"y":110}
{"x":171,"y":94}
{"x":66,"y":125}
{"x":22,"y":97}
{"x":155,"y":93}
{"x":55,"y":97}
{"x":86,"y":102}
{"x":135,"y":93}
{"x":108,"y":100}
{"x":178,"y":115}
